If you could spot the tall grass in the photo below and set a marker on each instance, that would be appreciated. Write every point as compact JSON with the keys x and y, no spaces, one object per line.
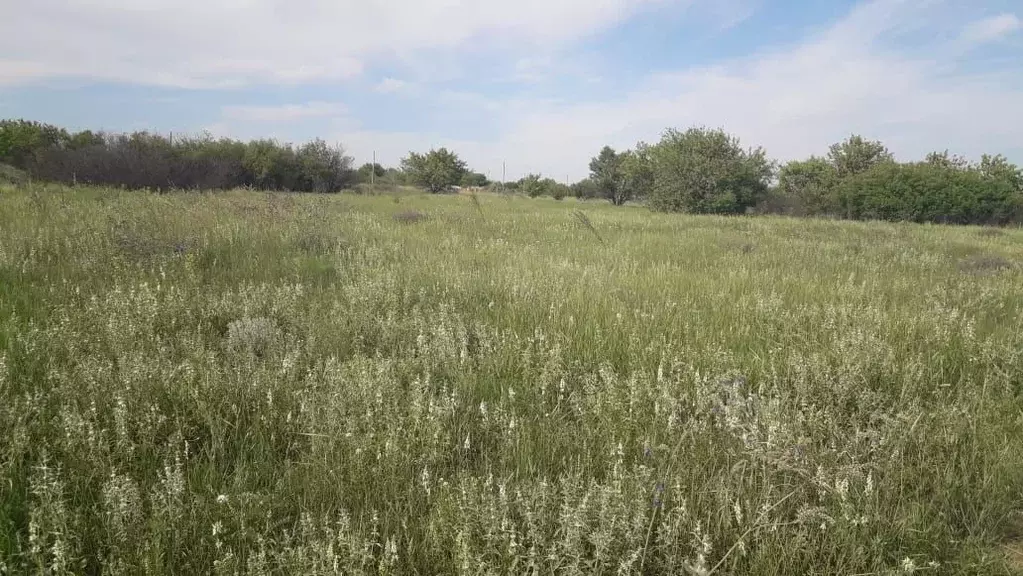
{"x":245,"y":383}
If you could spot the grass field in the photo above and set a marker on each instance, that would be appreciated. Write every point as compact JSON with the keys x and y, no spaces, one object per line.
{"x":245,"y":383}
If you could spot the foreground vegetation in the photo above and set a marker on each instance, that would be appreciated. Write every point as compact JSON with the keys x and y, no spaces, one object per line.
{"x":307,"y":384}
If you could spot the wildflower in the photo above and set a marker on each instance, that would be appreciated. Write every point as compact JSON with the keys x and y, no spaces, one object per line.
{"x":908,"y":566}
{"x":658,"y":495}
{"x":222,"y":499}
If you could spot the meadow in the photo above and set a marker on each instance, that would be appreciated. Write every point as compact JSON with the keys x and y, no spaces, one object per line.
{"x":255,"y":383}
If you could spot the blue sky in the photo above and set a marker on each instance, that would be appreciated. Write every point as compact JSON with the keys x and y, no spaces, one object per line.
{"x":539,"y":85}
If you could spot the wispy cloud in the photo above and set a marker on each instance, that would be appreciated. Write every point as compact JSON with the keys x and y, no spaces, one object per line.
{"x":855,"y":76}
{"x":391,"y":85}
{"x":267,"y":41}
{"x":284,"y":113}
{"x":992,"y":28}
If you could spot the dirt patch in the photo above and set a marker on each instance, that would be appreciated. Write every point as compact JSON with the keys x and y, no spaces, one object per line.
{"x":1012,"y":546}
{"x":1014,"y":555}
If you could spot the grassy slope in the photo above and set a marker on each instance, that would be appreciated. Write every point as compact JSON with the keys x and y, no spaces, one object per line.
{"x":500,"y":393}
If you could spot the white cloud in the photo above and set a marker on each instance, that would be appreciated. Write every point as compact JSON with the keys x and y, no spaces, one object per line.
{"x":391,"y":85}
{"x":991,"y":29}
{"x":855,"y":77}
{"x":228,"y":43}
{"x":284,"y":113}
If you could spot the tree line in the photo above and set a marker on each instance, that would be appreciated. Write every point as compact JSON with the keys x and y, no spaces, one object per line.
{"x":707,"y":171}
{"x":698,"y":170}
{"x":143,"y":160}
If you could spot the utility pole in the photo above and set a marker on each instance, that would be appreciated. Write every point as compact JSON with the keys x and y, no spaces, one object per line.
{"x":504,"y":175}
{"x":373,"y":174}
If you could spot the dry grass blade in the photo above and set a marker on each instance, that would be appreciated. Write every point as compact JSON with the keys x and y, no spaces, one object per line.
{"x":476,"y":203}
{"x":585,"y":221}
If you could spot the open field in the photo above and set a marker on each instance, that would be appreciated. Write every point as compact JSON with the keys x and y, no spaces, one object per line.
{"x":301,"y":384}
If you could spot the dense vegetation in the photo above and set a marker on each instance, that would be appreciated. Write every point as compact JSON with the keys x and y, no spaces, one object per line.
{"x":156,"y":162}
{"x":698,"y":171}
{"x":307,"y":384}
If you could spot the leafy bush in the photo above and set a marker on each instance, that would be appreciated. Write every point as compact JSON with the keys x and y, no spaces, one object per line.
{"x":807,"y":186}
{"x":145,"y":160}
{"x":437,"y":170}
{"x":926,"y":192}
{"x":474,"y":179}
{"x":532,"y":185}
{"x":12,"y":176}
{"x":706,"y":172}
{"x":559,"y":191}
{"x":370,"y":172}
{"x":856,"y":154}
{"x":585,"y":189}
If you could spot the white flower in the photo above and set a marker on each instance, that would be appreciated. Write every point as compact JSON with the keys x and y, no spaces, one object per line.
{"x":222,"y":499}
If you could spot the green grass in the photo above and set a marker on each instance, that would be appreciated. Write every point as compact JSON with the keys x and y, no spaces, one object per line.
{"x":296,"y":384}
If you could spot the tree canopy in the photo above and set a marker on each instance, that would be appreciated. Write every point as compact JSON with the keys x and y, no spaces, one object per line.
{"x":436,"y":171}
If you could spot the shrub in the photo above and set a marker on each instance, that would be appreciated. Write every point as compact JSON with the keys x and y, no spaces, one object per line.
{"x":585,"y":189}
{"x":437,"y":170}
{"x":926,"y":192}
{"x":12,"y":176}
{"x":808,"y":186}
{"x":532,"y":185}
{"x":706,"y":171}
{"x":559,"y":191}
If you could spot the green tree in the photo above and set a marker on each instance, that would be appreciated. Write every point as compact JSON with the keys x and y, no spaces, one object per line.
{"x":23,"y":142}
{"x":369,"y":169}
{"x":559,"y":191}
{"x":925,"y":192}
{"x":856,"y":155}
{"x":324,"y":168}
{"x":470,"y":179}
{"x":532,"y":185}
{"x":809,"y":185}
{"x":585,"y":189}
{"x":608,"y":172}
{"x":437,"y":170}
{"x":999,"y":168}
{"x":638,"y":171}
{"x":707,"y":171}
{"x":944,"y":160}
